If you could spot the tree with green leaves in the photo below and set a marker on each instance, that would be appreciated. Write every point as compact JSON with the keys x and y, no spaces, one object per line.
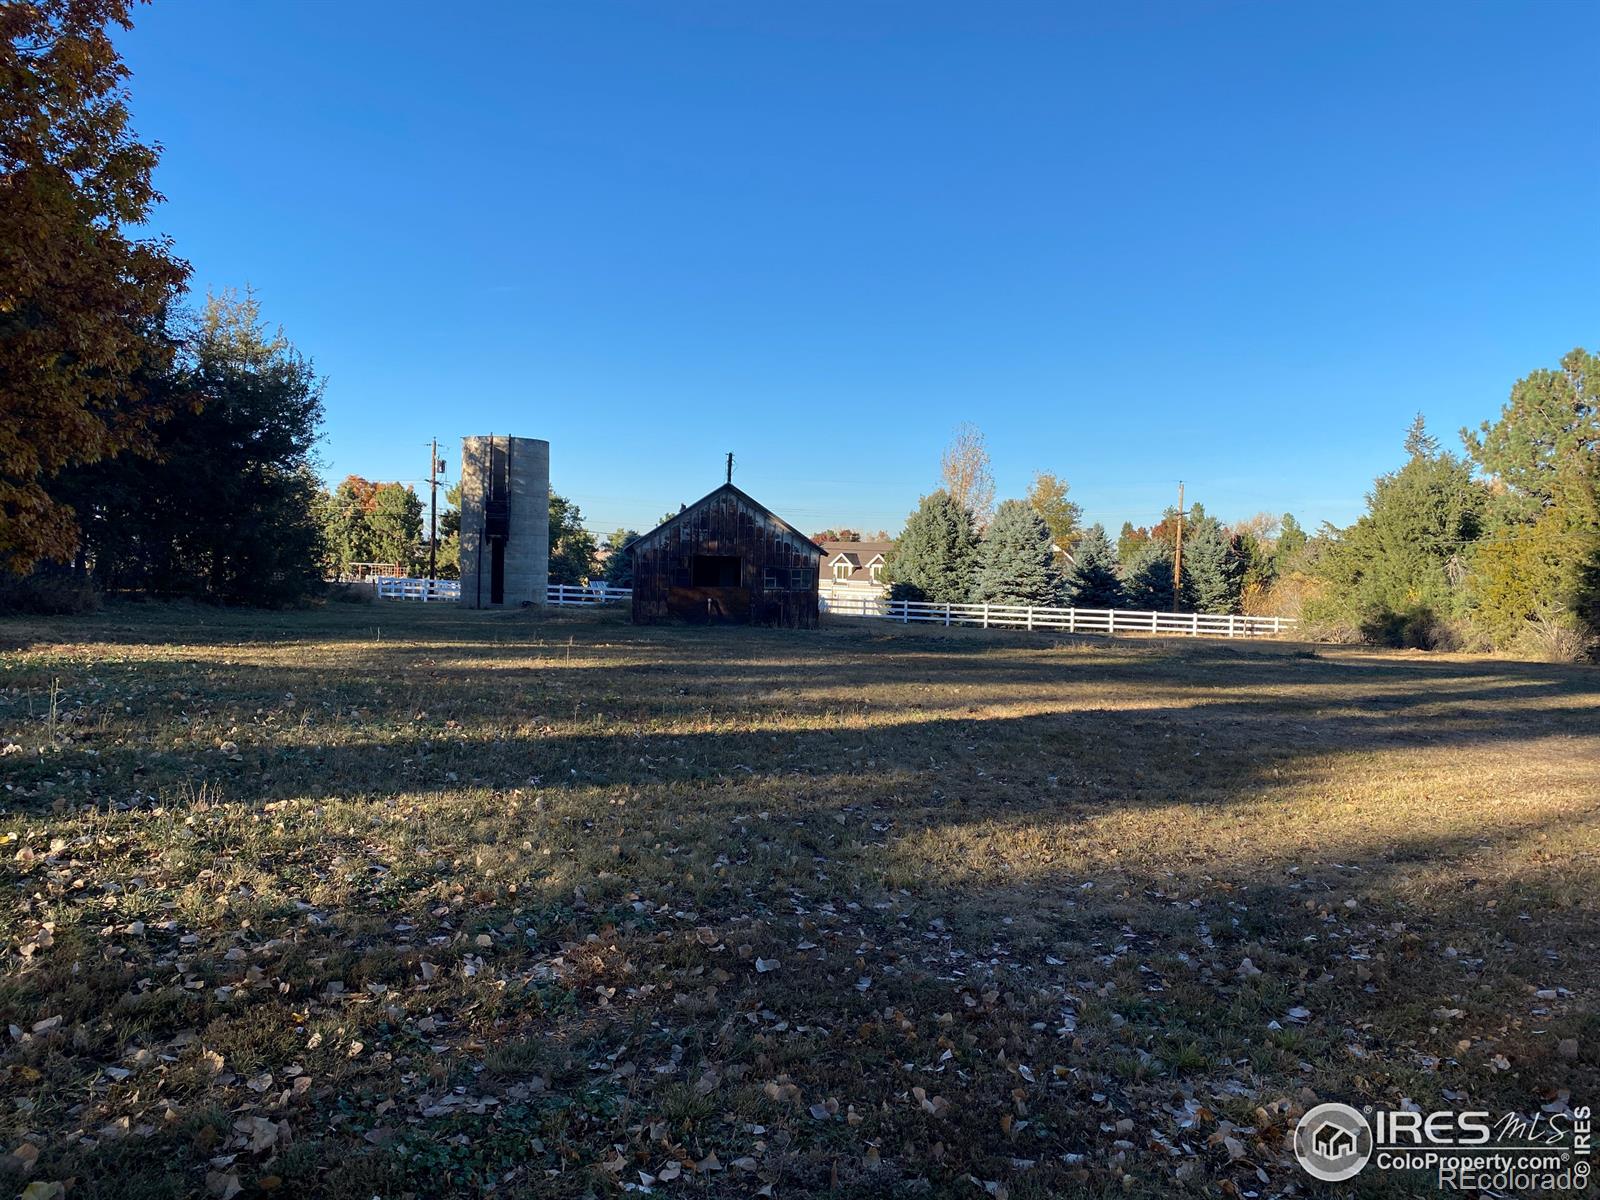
{"x":1130,"y":540}
{"x":223,"y":506}
{"x":1291,"y":541}
{"x":84,"y":349}
{"x":935,"y":558}
{"x":1047,"y":494}
{"x":1147,"y":576}
{"x":449,"y":556}
{"x":1551,"y":420}
{"x":1399,"y":568}
{"x":571,"y":545}
{"x":394,"y":524}
{"x":1015,"y":562}
{"x":619,"y":563}
{"x":1540,"y":556}
{"x":1092,"y":582}
{"x":346,"y":531}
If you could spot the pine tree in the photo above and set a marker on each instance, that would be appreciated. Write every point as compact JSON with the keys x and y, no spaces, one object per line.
{"x":1291,"y":540}
{"x":1015,"y":562}
{"x":1540,"y":556}
{"x":1130,"y":540}
{"x":1211,"y":569}
{"x":1396,"y":569}
{"x":936,"y":556}
{"x":1147,"y":577}
{"x":1093,"y":582}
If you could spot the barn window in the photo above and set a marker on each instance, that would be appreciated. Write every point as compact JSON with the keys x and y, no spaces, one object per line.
{"x":772,"y":579}
{"x":800,"y":578}
{"x":717,"y":570}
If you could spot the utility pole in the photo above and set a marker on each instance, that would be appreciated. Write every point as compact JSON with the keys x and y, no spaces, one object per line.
{"x":730,"y":466}
{"x":1177,"y":557}
{"x":433,"y":509}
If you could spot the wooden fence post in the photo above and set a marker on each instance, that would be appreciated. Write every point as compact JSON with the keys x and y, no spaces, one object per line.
{"x":1111,"y":620}
{"x":1030,"y":618}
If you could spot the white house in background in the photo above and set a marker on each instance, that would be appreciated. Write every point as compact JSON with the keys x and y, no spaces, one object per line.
{"x":854,"y":568}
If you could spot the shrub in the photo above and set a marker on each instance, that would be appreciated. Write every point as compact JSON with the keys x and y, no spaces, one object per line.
{"x":353,"y":593}
{"x":48,"y":591}
{"x":1554,"y":636}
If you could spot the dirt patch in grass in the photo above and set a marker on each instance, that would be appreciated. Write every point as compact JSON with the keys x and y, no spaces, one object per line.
{"x":404,"y":900}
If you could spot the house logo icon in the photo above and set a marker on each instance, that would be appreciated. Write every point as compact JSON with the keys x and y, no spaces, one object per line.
{"x":1333,"y":1142}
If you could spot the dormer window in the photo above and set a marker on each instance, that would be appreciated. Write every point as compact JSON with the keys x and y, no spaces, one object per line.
{"x":841,"y":570}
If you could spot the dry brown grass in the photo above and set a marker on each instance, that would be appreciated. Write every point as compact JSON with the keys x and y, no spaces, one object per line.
{"x":495,"y":888}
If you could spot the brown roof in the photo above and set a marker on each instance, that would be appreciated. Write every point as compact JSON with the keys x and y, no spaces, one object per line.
{"x":713,"y":494}
{"x":858,"y":554}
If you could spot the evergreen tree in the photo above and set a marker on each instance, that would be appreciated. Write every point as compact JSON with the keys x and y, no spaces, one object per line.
{"x":1541,"y":553}
{"x":225,"y":506}
{"x":1147,"y":577}
{"x":1212,"y":572}
{"x":1398,"y":567}
{"x":1093,"y":582}
{"x":1015,"y":562}
{"x":1291,"y":541}
{"x":935,"y":558}
{"x":1130,"y":540}
{"x":1552,"y":419}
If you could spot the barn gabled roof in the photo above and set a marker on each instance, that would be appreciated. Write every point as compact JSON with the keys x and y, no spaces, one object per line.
{"x":712,"y":495}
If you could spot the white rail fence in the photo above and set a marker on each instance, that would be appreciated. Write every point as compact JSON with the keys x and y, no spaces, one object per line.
{"x":1065,"y":620}
{"x":567,"y":594}
{"x":394,"y":587}
{"x":564,"y":595}
{"x":984,"y":616}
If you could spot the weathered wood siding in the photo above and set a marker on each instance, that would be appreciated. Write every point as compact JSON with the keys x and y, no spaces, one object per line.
{"x":777,"y":576}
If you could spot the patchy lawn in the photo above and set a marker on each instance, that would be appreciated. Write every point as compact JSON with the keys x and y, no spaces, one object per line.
{"x":390,"y":900}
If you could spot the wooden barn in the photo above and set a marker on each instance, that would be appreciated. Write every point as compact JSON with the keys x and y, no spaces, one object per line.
{"x":725,"y":559}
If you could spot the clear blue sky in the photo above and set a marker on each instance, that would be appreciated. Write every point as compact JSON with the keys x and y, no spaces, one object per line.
{"x":1238,"y":244}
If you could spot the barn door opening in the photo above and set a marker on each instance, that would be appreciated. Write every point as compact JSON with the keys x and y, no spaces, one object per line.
{"x":717,"y":570}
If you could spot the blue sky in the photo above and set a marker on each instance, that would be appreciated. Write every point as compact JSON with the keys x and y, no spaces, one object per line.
{"x":1237,"y":244}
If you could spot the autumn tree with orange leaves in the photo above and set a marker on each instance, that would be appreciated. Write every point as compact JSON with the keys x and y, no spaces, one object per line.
{"x":82,"y":301}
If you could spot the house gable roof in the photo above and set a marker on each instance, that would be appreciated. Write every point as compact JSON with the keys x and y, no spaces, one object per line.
{"x":860,"y":557}
{"x":726,"y":488}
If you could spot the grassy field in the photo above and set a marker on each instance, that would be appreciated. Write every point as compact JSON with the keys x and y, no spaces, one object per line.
{"x":390,"y":900}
